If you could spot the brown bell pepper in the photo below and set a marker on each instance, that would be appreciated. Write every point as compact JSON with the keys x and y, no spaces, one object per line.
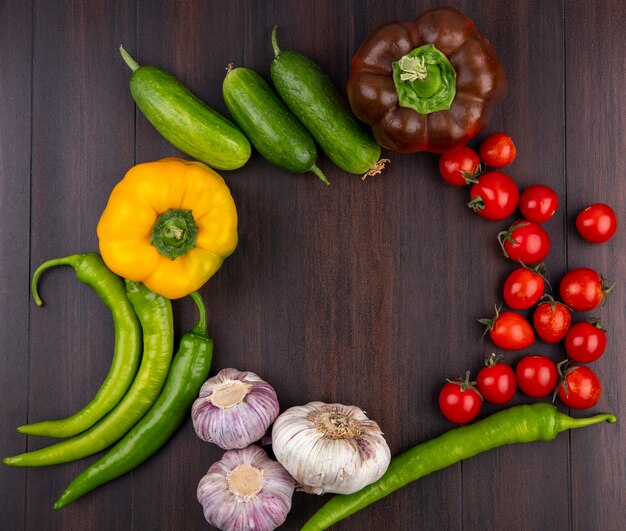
{"x":427,"y":84}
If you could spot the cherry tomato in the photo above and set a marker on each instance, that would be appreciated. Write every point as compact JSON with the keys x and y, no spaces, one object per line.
{"x":586,"y":341}
{"x":580,"y":387}
{"x":552,"y":320}
{"x":457,"y":166}
{"x":496,"y":381}
{"x":523,"y":288}
{"x":525,"y":241}
{"x":536,"y":375}
{"x":497,"y":150}
{"x":509,"y":330}
{"x":495,"y":196}
{"x":583,"y":289}
{"x":597,"y":223}
{"x":538,"y":203}
{"x":459,"y":401}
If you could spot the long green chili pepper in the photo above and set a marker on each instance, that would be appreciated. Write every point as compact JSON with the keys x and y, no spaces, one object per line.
{"x":155,"y":316}
{"x":91,"y":270}
{"x":518,"y":424}
{"x":189,"y":371}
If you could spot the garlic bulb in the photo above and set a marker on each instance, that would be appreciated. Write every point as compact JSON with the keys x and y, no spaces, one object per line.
{"x":234,"y":409}
{"x":246,"y":490}
{"x":330,"y":447}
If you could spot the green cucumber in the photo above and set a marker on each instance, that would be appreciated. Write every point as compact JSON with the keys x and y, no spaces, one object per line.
{"x":311,"y":96}
{"x":273,"y":130}
{"x":184,"y":120}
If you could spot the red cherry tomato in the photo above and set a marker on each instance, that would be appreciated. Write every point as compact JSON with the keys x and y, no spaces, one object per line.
{"x":459,"y":401}
{"x":583,"y":289}
{"x":496,"y":381}
{"x":495,"y":196}
{"x":523,"y":288}
{"x":538,"y":203}
{"x":597,"y":223}
{"x":526,"y":242}
{"x":536,"y":375}
{"x":456,"y":166}
{"x":497,"y":150}
{"x":580,"y":387}
{"x":586,"y":341}
{"x":509,"y":330}
{"x":552,"y":320}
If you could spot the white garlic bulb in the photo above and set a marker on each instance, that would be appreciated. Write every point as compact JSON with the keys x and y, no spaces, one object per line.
{"x":234,"y":409}
{"x":330,"y":447}
{"x":246,"y":490}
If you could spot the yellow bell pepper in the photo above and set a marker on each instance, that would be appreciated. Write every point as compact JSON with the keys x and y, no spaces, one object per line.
{"x":169,"y":224}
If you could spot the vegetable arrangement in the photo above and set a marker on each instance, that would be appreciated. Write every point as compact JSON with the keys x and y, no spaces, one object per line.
{"x":427,"y":84}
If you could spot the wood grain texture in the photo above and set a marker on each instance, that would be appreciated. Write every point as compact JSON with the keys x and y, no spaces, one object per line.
{"x":362,"y":293}
{"x":15,"y":174}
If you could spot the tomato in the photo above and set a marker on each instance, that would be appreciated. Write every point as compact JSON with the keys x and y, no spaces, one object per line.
{"x":580,"y":387}
{"x":525,"y":241}
{"x":538,"y":203}
{"x":457,"y":166}
{"x":497,"y":150}
{"x":597,"y":223}
{"x":586,"y":341}
{"x":523,"y":288}
{"x":536,"y":375}
{"x":552,"y":320}
{"x":509,"y":330}
{"x":583,"y":289}
{"x":495,"y":196}
{"x":459,"y":401}
{"x":496,"y":381}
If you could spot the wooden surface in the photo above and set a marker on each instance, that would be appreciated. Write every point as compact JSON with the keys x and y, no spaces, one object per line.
{"x":359,"y":293}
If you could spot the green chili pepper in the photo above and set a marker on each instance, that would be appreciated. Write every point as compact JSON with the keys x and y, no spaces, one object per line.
{"x":519,"y":424}
{"x":189,"y":371}
{"x":92,"y":271}
{"x":155,"y":316}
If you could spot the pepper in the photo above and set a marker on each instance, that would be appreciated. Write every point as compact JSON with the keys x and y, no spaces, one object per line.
{"x":427,"y":84}
{"x":169,"y":224}
{"x":189,"y":370}
{"x":155,"y":316}
{"x":92,"y":271}
{"x":519,"y":424}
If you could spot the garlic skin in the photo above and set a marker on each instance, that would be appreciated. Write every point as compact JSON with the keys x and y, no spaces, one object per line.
{"x":234,"y":409}
{"x":246,"y":490}
{"x":330,"y":447}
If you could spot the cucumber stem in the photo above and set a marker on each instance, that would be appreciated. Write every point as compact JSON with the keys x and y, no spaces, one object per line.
{"x":320,"y":174}
{"x":132,"y":64}
{"x":275,"y":44}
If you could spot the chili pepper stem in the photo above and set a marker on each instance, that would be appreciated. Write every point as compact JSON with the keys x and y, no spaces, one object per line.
{"x":132,"y":64}
{"x":565,"y":422}
{"x":72,"y":260}
{"x":201,"y":328}
{"x":275,"y":42}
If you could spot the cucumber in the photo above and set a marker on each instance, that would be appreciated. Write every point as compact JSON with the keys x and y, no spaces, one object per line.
{"x":184,"y":120}
{"x":311,"y":96}
{"x":273,"y":130}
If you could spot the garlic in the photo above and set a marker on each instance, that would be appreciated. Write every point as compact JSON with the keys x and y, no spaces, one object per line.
{"x":234,"y":409}
{"x":246,"y":490}
{"x":330,"y":447}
